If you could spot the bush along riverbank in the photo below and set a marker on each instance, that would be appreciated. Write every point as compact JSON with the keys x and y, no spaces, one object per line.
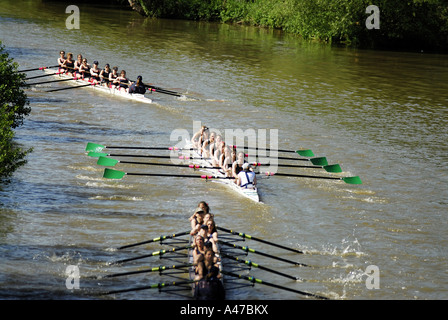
{"x":413,"y":24}
{"x":13,"y":109}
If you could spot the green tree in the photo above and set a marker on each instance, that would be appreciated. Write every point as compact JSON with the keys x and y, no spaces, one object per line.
{"x":13,"y":109}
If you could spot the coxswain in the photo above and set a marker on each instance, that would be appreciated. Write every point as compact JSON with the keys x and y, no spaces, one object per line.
{"x":84,"y":69}
{"x":78,"y":64}
{"x":113,"y":76}
{"x":61,"y":59}
{"x":104,"y":75}
{"x":95,"y":73}
{"x":138,"y":86}
{"x":69,"y":64}
{"x":246,"y":178}
{"x":121,"y":81}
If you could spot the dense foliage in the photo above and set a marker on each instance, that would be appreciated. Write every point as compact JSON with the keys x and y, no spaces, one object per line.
{"x":416,"y":24}
{"x":13,"y":109}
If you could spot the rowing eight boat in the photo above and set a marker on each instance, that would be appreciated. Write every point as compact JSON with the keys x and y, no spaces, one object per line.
{"x":252,"y":194}
{"x":117,"y":92}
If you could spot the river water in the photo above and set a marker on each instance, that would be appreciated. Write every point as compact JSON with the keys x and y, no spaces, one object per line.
{"x":383,"y":116}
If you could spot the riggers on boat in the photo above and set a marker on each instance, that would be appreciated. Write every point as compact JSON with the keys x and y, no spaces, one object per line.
{"x":117,"y":92}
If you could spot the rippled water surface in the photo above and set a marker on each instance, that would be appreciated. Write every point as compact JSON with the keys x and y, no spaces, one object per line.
{"x":382,"y":116}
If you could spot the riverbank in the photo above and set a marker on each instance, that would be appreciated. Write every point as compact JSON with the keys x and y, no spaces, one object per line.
{"x":409,"y":25}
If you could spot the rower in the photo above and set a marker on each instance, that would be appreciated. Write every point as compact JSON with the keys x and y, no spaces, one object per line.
{"x":95,"y":73}
{"x":196,"y":220}
{"x":68,"y":65}
{"x":61,"y":59}
{"x":246,"y":178}
{"x":84,"y":69}
{"x":104,"y":75}
{"x":215,"y":146}
{"x":208,"y":268}
{"x":219,"y":152}
{"x":237,"y":165}
{"x":209,"y":286}
{"x":206,"y":145}
{"x":138,"y":86}
{"x":198,"y":249}
{"x":113,"y":76}
{"x":122,"y":81}
{"x":78,"y":64}
{"x":226,"y":160}
{"x":199,"y":137}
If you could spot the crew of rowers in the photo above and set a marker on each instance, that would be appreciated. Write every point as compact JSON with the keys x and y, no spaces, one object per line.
{"x":107,"y":77}
{"x":211,"y":146}
{"x":205,"y":246}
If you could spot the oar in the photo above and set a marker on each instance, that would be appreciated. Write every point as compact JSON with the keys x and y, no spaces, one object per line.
{"x":44,"y":75}
{"x":256,"y":265}
{"x":243,"y":235}
{"x":101,"y":154}
{"x":84,"y":85}
{"x":161,"y":238}
{"x":109,"y":162}
{"x":99,"y":147}
{"x":247,"y":249}
{"x":104,"y":161}
{"x":152,"y":254}
{"x":161,"y":90}
{"x":154,"y":269}
{"x":302,"y":152}
{"x":153,"y":286}
{"x":319,"y":161}
{"x":116,"y":174}
{"x":349,"y":180}
{"x":51,"y":81}
{"x":40,"y":68}
{"x":334,"y":168}
{"x":255,"y":280}
{"x":158,"y":89}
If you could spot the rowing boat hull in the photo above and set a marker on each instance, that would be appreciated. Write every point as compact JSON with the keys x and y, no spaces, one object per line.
{"x":100,"y":88}
{"x":251,"y":194}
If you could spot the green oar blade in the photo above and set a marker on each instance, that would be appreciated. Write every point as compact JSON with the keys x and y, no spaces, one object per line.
{"x":94,"y":147}
{"x":352,"y":180}
{"x":97,"y":154}
{"x":305,"y":153}
{"x":107,"y":162}
{"x":113,"y":174}
{"x":321,"y":161}
{"x":333,"y":168}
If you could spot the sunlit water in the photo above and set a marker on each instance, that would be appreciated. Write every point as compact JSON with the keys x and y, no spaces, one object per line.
{"x":382,"y":116}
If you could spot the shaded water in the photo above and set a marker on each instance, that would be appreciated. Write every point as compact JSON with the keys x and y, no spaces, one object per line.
{"x":380,"y":115}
